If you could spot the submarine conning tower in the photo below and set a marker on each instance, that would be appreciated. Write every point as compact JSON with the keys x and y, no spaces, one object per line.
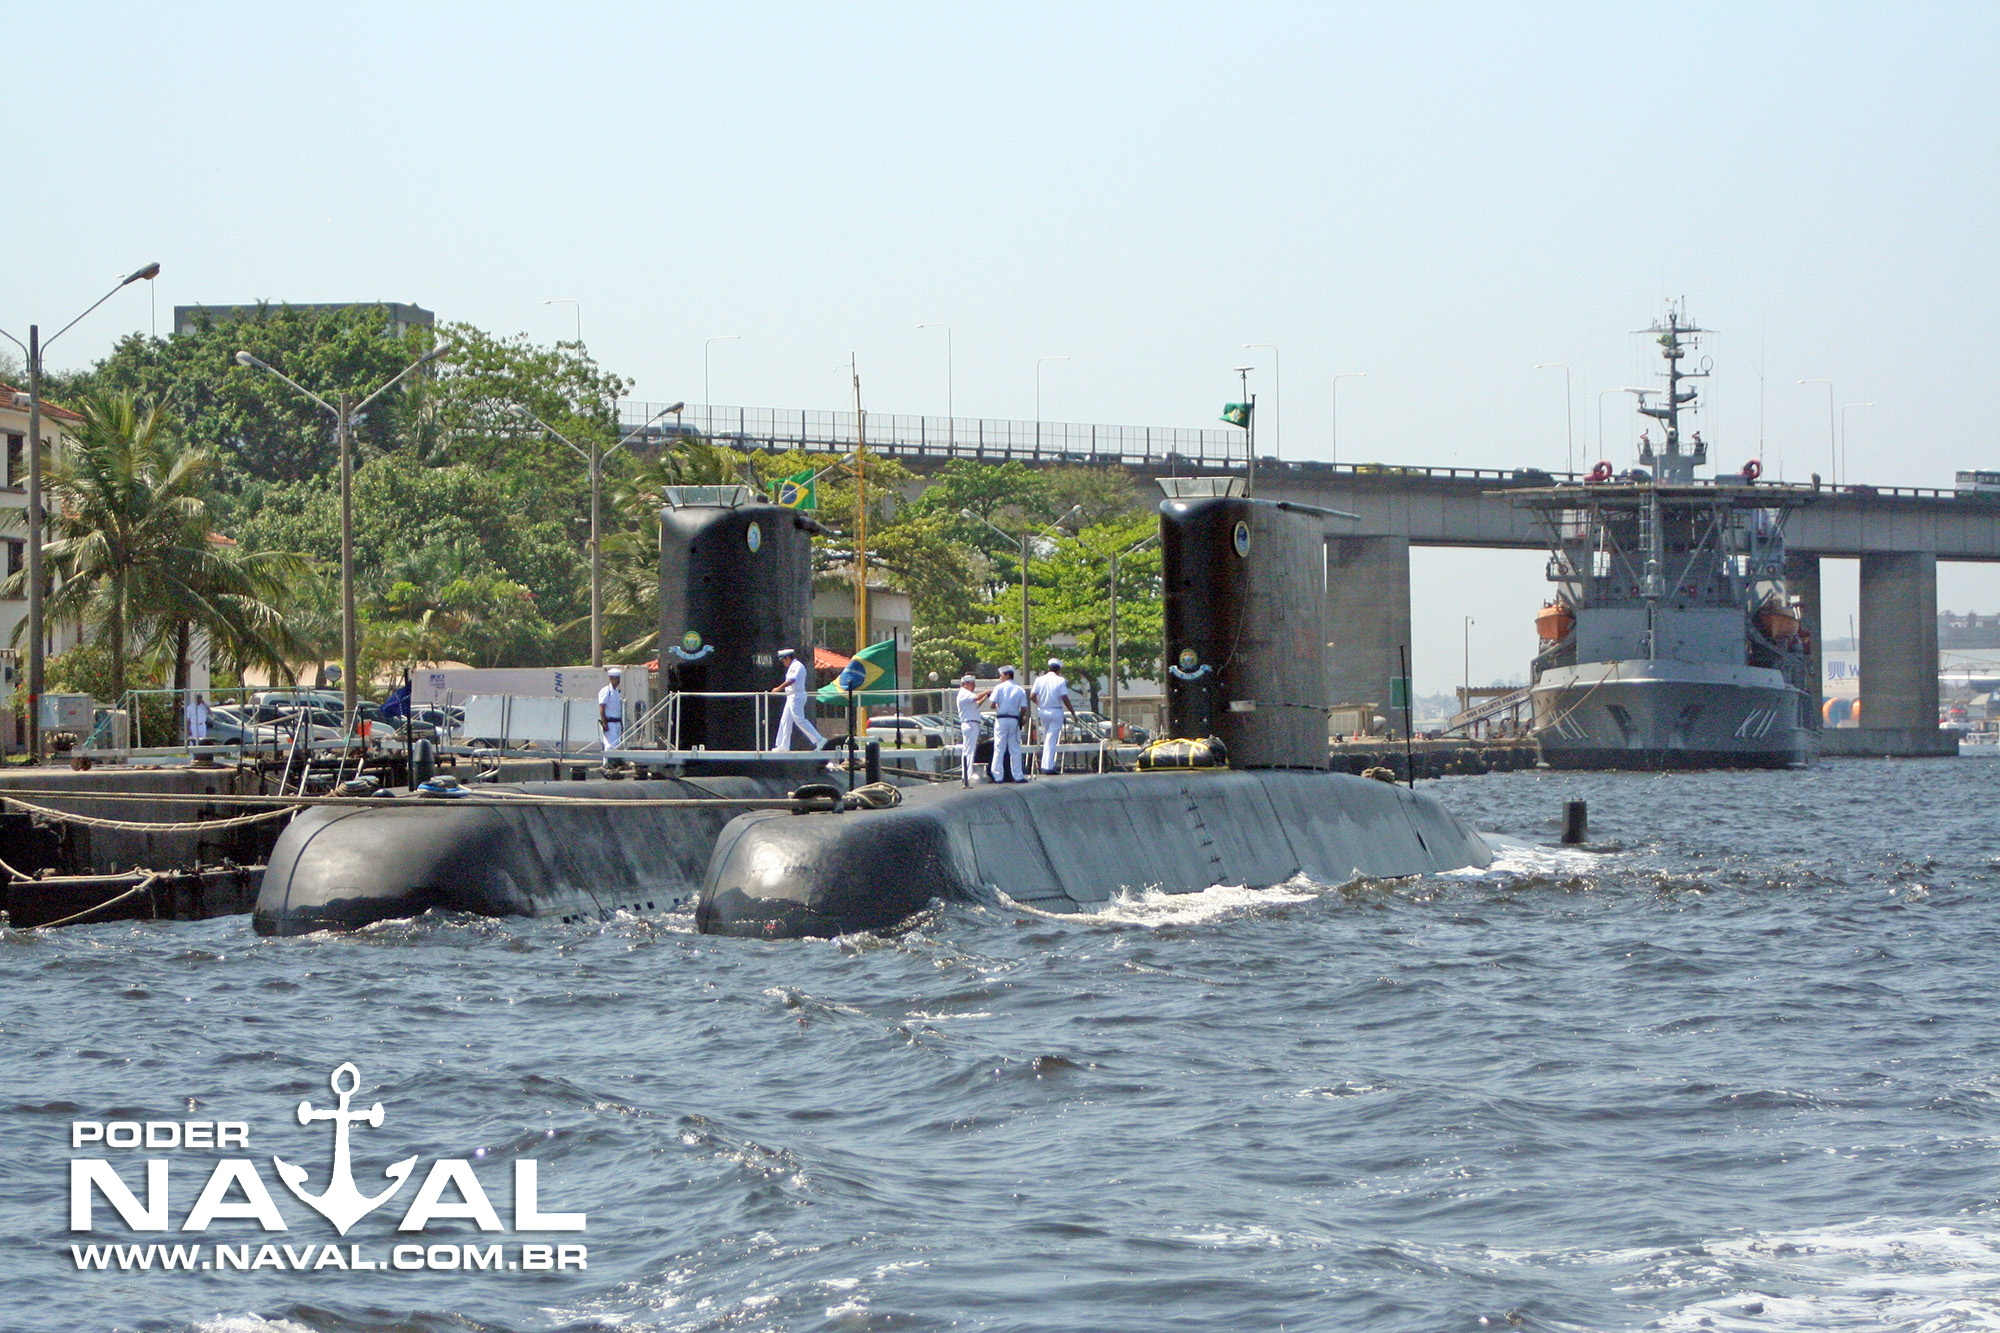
{"x":1245,"y":582}
{"x":735,"y":586}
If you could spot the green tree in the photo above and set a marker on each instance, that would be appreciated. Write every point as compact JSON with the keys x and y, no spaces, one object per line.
{"x":1072,"y":600}
{"x":132,"y":541}
{"x":258,"y":426}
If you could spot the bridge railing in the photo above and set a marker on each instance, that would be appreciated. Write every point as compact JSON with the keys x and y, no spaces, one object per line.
{"x":985,"y":439}
{"x":999,"y":440}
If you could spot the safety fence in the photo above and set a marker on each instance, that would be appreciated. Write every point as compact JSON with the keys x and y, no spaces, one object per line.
{"x":981,"y":439}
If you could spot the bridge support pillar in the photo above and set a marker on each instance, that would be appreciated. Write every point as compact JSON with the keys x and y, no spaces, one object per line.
{"x":1367,"y":619}
{"x":1899,"y":652}
{"x":1802,"y":581}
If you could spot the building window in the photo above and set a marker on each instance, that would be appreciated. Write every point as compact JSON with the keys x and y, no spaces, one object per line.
{"x":16,"y":557}
{"x":15,"y":467}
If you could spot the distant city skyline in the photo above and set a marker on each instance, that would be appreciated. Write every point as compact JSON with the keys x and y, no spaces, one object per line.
{"x":1440,"y":197}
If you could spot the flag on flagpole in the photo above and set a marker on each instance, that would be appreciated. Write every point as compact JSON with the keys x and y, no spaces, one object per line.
{"x":799,"y":491}
{"x":1237,"y":414}
{"x":878,"y":664}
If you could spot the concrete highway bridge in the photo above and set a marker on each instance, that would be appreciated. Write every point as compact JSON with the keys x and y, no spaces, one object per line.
{"x":1898,"y":534}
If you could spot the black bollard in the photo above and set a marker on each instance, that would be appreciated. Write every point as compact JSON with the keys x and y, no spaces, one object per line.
{"x":423,"y":762}
{"x":1576,"y":823}
{"x":873,"y":761}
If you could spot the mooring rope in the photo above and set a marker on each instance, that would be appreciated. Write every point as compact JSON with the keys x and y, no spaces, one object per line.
{"x":148,"y":826}
{"x":473,"y":796}
{"x":143,"y":886}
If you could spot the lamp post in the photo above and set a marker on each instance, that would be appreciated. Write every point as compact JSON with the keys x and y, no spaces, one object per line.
{"x":1468,"y":665}
{"x":1277,"y":398}
{"x":1038,"y":402}
{"x":344,"y":417}
{"x":1024,"y":537}
{"x":1333,"y":441}
{"x":1569,"y":414}
{"x":950,"y":411}
{"x":1832,"y":439}
{"x":595,"y":456}
{"x":1249,"y":432}
{"x":706,"y":401}
{"x":564,"y":300}
{"x":1843,"y":433}
{"x":37,"y":632}
{"x":1116,"y":556}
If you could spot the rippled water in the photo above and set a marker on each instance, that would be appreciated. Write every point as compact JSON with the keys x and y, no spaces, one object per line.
{"x":1733,"y":1069}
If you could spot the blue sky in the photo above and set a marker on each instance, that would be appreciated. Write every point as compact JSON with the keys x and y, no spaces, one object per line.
{"x":1440,"y":196}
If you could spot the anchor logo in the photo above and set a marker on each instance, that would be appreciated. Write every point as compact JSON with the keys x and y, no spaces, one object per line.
{"x":342,"y":1204}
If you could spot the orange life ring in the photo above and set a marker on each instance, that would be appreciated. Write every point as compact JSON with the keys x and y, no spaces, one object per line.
{"x":1752,"y":470}
{"x":1602,"y":472}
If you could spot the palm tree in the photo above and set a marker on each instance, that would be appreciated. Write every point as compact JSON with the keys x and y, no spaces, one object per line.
{"x":131,"y":542}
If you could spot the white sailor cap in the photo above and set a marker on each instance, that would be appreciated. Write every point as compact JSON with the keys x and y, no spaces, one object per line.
{"x":615,"y":671}
{"x":1054,"y":665}
{"x":786,"y":652}
{"x":1006,"y":671}
{"x":968,"y":679}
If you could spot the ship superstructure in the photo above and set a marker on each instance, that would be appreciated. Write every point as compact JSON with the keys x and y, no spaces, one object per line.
{"x":1671,"y":640}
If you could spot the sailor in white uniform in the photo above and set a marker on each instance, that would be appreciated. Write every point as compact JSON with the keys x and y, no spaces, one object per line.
{"x":611,"y":712}
{"x":969,"y":698}
{"x":1051,"y":693}
{"x":1010,"y":706}
{"x":196,"y":717}
{"x":793,"y":687}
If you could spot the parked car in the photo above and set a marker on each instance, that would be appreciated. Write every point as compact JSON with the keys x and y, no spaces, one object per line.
{"x":228,"y":724}
{"x":913,"y":734}
{"x":1100,"y":727}
{"x":946,"y":726}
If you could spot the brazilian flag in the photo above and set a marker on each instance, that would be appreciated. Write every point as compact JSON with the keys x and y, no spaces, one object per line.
{"x":1237,"y":414}
{"x":878,"y":664}
{"x":799,"y":491}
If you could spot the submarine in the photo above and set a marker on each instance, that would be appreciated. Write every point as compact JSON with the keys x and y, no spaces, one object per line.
{"x":1246,"y":675}
{"x":735,"y":586}
{"x":1246,"y":671}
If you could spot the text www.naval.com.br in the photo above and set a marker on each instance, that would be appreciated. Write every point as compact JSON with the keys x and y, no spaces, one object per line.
{"x":431,"y":1258}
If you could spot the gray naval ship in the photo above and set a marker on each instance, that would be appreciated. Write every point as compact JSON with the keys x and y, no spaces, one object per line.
{"x":1671,"y":641}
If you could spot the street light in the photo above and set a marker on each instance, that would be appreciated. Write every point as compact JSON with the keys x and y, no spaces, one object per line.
{"x":565,"y":300}
{"x":706,"y":401}
{"x":1116,"y":556}
{"x":34,"y":348}
{"x":1333,"y":441}
{"x":950,"y":412}
{"x":595,"y":457}
{"x":1832,"y":439}
{"x":1600,"y":412}
{"x":1467,"y":702}
{"x":1038,"y":402}
{"x":1249,"y":432}
{"x":344,"y":417}
{"x":1277,"y":398}
{"x":1843,"y":434}
{"x":1024,"y":538}
{"x":1569,"y":414}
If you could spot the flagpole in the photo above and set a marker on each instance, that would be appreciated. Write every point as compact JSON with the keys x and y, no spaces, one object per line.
{"x":860,"y":513}
{"x":1250,"y":485}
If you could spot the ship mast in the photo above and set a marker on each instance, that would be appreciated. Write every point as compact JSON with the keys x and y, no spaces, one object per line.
{"x":1674,"y":334}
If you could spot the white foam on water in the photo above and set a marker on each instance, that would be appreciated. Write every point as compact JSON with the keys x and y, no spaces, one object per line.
{"x":1154,"y":908}
{"x":1879,"y":1274}
{"x":249,"y":1323}
{"x":1515,"y":859}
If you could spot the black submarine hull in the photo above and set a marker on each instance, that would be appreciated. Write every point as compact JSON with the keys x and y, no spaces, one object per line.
{"x":1069,"y":845}
{"x":343,"y":867}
